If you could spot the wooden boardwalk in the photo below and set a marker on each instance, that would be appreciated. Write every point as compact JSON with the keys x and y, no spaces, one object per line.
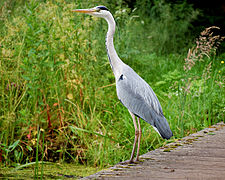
{"x":198,"y":156}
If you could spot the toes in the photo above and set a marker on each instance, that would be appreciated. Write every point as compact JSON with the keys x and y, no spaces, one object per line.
{"x":127,"y":162}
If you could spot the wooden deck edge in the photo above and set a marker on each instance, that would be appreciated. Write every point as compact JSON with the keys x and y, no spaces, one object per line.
{"x":179,"y":143}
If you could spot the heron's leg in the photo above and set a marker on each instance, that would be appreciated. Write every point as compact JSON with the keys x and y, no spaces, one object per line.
{"x":136,"y":137}
{"x":139,"y":139}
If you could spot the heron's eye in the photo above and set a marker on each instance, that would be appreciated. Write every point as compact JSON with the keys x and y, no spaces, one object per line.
{"x":98,"y":10}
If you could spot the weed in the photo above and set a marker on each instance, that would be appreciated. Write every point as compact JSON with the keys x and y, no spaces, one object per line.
{"x":57,"y":91}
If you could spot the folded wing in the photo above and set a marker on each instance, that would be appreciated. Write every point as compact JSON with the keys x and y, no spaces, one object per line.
{"x":137,"y":96}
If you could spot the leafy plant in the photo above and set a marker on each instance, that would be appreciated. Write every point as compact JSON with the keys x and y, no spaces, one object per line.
{"x":57,"y":91}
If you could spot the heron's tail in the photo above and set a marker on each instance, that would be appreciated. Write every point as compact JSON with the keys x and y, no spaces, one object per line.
{"x":162,"y":127}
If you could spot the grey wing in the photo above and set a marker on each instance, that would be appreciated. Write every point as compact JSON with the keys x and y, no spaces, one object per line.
{"x":137,"y":96}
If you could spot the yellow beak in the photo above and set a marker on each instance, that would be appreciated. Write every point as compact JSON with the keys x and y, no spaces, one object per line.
{"x":84,"y":10}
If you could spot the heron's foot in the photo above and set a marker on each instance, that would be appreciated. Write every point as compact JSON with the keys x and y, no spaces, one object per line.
{"x":137,"y":160}
{"x":127,"y":162}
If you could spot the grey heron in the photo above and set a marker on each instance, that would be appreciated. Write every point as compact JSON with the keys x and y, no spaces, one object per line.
{"x":133,"y":92}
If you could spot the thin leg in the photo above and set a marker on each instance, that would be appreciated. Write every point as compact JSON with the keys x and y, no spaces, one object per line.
{"x":139,"y":139}
{"x":136,"y":137}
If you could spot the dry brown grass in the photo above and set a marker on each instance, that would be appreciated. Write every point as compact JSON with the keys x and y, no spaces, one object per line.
{"x":206,"y":45}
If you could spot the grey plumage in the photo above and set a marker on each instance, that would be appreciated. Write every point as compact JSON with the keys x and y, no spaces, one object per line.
{"x":137,"y":96}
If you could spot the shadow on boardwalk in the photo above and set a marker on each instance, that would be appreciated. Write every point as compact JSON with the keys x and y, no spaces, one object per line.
{"x":198,"y":156}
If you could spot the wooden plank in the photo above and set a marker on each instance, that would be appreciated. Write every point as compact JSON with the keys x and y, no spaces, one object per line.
{"x":198,"y":156}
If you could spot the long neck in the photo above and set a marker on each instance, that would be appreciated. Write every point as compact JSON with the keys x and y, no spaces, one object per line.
{"x":114,"y":60}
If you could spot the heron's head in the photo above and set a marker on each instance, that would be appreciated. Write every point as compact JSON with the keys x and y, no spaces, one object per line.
{"x":99,"y":11}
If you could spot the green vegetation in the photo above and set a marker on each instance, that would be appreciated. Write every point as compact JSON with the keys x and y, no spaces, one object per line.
{"x":51,"y":171}
{"x":57,"y":93}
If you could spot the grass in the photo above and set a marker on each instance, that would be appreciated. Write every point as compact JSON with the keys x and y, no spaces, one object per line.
{"x":51,"y":171}
{"x":58,"y":100}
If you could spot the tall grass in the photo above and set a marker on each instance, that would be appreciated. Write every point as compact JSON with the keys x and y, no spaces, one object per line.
{"x":58,"y":99}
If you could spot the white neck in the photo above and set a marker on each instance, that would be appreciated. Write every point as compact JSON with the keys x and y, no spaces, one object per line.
{"x":114,"y":60}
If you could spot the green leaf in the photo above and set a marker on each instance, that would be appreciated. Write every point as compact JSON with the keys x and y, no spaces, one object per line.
{"x":26,"y":77}
{"x":159,"y":83}
{"x":29,"y":148}
{"x":13,"y":146}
